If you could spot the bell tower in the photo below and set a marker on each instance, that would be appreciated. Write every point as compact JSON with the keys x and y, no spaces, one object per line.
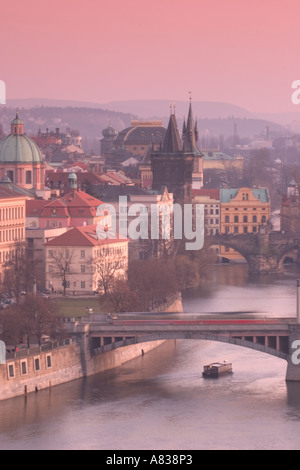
{"x":17,"y":126}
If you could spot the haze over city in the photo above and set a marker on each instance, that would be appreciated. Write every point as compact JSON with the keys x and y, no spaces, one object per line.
{"x":244,"y":53}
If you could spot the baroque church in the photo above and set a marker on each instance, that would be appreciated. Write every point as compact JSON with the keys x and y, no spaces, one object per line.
{"x":21,"y":160}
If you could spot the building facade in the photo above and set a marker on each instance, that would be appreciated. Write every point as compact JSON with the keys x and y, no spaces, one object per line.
{"x":243,"y":211}
{"x":212,"y":209}
{"x":83,"y":262}
{"x":75,"y":208}
{"x":12,"y":224}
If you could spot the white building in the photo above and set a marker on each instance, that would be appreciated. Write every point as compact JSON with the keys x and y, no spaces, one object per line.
{"x":81,"y":262}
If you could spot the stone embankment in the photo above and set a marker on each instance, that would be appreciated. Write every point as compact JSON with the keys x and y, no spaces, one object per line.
{"x":28,"y":371}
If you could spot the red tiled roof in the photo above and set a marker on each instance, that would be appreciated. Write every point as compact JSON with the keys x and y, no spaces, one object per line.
{"x":34,"y":207}
{"x":56,"y":177}
{"x":7,"y":193}
{"x":73,"y":204}
{"x":211,"y":193}
{"x":83,"y":236}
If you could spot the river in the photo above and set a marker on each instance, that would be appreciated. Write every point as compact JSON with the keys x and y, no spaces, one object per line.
{"x":161,"y":402}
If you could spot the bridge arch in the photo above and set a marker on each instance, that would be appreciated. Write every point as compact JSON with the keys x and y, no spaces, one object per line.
{"x":192,"y":335}
{"x":291,"y":252}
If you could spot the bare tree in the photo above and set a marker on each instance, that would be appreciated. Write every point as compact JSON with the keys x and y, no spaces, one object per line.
{"x":36,"y":317}
{"x":19,"y":271}
{"x":121,"y":299}
{"x":62,"y":264}
{"x":232,"y":172}
{"x":108,"y":268}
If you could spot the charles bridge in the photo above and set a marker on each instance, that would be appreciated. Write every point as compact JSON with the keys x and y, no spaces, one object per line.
{"x":265,"y":251}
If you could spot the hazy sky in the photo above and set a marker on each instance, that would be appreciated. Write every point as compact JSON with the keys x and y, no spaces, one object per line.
{"x":244,"y":52}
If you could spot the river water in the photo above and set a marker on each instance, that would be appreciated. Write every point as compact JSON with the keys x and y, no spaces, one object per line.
{"x":161,"y":402}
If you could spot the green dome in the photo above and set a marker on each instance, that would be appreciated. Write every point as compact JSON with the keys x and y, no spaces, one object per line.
{"x":19,"y":149}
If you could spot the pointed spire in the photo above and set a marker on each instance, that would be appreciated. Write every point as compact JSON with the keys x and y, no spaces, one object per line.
{"x":196,"y":131}
{"x":172,"y":142}
{"x":183,"y":130}
{"x":191,"y":134}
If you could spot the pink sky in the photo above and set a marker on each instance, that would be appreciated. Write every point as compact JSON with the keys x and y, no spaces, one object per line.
{"x":244,"y":52}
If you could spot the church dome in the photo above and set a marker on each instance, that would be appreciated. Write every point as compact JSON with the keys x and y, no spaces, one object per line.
{"x":17,"y":147}
{"x":109,"y":131}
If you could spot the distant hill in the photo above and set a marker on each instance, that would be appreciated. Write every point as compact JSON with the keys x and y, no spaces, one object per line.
{"x":91,"y":118}
{"x":90,"y":122}
{"x":161,"y":109}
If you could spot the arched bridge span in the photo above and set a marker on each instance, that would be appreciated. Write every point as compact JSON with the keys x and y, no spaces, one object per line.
{"x":266,"y":335}
{"x":279,"y":337}
{"x":265,"y":251}
{"x":258,"y":346}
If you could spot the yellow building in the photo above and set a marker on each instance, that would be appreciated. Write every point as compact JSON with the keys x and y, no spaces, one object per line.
{"x":243,"y":211}
{"x":12,"y":223}
{"x":216,"y":160}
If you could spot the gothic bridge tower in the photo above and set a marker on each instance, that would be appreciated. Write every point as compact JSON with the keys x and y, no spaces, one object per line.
{"x":172,"y":165}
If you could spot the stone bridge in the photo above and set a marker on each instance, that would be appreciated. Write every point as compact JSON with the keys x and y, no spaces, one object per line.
{"x":265,"y":252}
{"x":276,"y":336}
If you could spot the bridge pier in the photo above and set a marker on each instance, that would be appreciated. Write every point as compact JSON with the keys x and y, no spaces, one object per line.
{"x":266,"y":263}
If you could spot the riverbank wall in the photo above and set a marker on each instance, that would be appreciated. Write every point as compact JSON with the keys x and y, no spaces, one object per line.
{"x":29,"y":371}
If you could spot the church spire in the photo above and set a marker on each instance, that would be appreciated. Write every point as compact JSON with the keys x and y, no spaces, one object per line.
{"x":172,"y":142}
{"x":191,"y":133}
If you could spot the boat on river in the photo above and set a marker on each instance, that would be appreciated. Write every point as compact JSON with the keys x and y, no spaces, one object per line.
{"x":216,"y":369}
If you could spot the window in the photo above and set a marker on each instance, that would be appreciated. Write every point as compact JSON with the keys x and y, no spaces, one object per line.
{"x":82,"y":284}
{"x":67,"y":284}
{"x":36,"y":363}
{"x":50,"y":253}
{"x":24,"y":367}
{"x":245,"y":218}
{"x":245,"y":229}
{"x":226,"y":218}
{"x":82,"y":254}
{"x":143,"y":255}
{"x":263,"y":218}
{"x":236,"y":218}
{"x":48,"y":361}
{"x":236,"y":229}
{"x":11,"y":370}
{"x":28,"y":177}
{"x":82,"y":268}
{"x":254,"y":218}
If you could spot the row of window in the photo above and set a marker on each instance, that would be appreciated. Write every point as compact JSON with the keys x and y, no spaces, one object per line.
{"x":10,"y":213}
{"x":122,"y":263}
{"x":245,"y":229}
{"x":12,"y":234}
{"x":37,"y":366}
{"x":211,"y":211}
{"x":245,"y":219}
{"x":114,"y":250}
{"x":7,"y":255}
{"x":82,"y":284}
